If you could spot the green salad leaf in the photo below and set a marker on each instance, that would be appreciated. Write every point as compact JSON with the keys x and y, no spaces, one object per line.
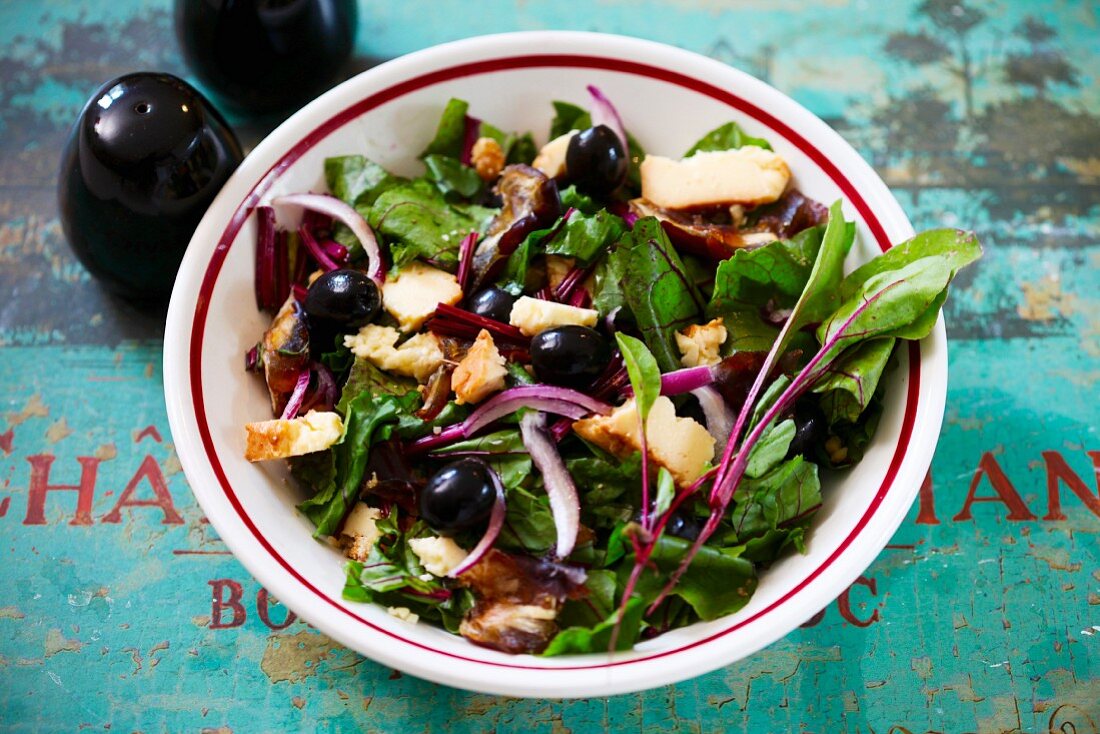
{"x":726,"y":137}
{"x":369,"y":418}
{"x":358,"y":180}
{"x":416,"y":221}
{"x":771,"y":511}
{"x":656,"y":288}
{"x":452,"y":177}
{"x":719,"y":581}
{"x":641,"y":367}
{"x":597,"y":638}
{"x":849,"y":384}
{"x":450,"y":135}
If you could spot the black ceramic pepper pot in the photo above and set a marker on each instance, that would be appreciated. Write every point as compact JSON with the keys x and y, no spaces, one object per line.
{"x":266,"y":55}
{"x":144,"y":160}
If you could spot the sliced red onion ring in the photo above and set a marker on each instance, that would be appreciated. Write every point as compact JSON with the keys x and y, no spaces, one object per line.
{"x":564,"y":504}
{"x":717,"y":412}
{"x":345,"y":213}
{"x":295,"y":402}
{"x":557,"y":400}
{"x":604,"y":113}
{"x":466,"y":259}
{"x":496,"y":521}
{"x":265,"y":257}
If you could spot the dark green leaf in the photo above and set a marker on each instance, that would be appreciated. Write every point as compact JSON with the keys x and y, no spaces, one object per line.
{"x":645,"y":375}
{"x":583,"y":203}
{"x":452,"y":177}
{"x":726,"y":137}
{"x":365,"y":377}
{"x":568,"y":117}
{"x":851,"y":381}
{"x":523,"y":150}
{"x":770,"y":509}
{"x":450,"y":136}
{"x":369,"y":418}
{"x":503,"y":450}
{"x":770,"y":449}
{"x":608,"y":488}
{"x":410,"y":428}
{"x":656,"y":288}
{"x":358,"y":180}
{"x":580,"y":640}
{"x":528,"y":523}
{"x":718,"y":581}
{"x":586,"y":237}
{"x":415,"y":220}
{"x":666,"y":491}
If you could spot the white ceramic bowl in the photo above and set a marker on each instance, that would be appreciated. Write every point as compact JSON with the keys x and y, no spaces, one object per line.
{"x":668,"y":98}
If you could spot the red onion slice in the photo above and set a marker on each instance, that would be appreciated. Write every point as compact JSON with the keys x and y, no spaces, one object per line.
{"x":717,"y":412}
{"x":564,"y":504}
{"x":346,"y":214}
{"x":496,"y":521}
{"x":604,"y":113}
{"x":466,"y":260}
{"x":295,"y":402}
{"x":547,"y":398}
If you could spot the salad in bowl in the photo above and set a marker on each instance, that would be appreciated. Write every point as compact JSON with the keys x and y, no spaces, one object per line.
{"x":559,"y":399}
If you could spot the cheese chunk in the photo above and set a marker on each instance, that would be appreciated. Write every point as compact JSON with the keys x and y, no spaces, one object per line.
{"x":748,"y":175}
{"x":439,"y":555}
{"x":532,"y":315}
{"x":403,"y":613}
{"x":699,"y":343}
{"x":418,"y":357}
{"x":360,"y":531}
{"x":480,"y":373}
{"x":412,"y":296}
{"x":279,"y":439}
{"x":680,"y":445}
{"x":551,"y":157}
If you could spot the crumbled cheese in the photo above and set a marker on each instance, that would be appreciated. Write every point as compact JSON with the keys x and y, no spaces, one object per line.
{"x":418,"y":357}
{"x":439,"y":555}
{"x":360,"y":531}
{"x":532,"y":315}
{"x":412,"y":296}
{"x":487,"y":158}
{"x":557,"y":267}
{"x":480,"y":373}
{"x":551,"y":157}
{"x":748,"y":175}
{"x":279,"y":439}
{"x":699,"y":343}
{"x":681,"y":445}
{"x":403,"y":613}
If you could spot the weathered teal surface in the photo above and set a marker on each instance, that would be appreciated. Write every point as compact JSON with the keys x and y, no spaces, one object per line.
{"x":120,"y":609}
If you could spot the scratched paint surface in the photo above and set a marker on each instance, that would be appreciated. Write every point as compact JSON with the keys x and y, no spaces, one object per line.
{"x":120,"y":608}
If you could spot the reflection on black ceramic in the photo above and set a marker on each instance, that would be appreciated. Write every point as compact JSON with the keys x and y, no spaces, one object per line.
{"x":143,"y":162}
{"x":266,"y":55}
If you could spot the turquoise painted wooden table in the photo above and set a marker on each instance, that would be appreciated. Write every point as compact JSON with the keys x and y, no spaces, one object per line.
{"x":121,"y":610}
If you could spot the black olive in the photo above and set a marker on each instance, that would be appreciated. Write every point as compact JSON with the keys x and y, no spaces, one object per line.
{"x":144,"y":160}
{"x":339,"y":302}
{"x":266,"y":55}
{"x":810,"y":428}
{"x":683,"y":526}
{"x":595,"y":161}
{"x":571,"y":356}
{"x":458,"y":497}
{"x":492,"y":303}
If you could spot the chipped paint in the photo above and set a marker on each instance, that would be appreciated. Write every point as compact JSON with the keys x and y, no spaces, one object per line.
{"x":295,"y":657}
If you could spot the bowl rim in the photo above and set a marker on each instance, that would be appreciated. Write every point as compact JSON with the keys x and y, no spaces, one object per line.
{"x":186,"y":324}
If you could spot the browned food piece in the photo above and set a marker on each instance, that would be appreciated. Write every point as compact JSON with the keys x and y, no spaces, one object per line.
{"x":281,"y":439}
{"x":487,"y":158}
{"x":518,"y":599}
{"x":285,"y":352}
{"x":698,"y":233}
{"x":529,"y":202}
